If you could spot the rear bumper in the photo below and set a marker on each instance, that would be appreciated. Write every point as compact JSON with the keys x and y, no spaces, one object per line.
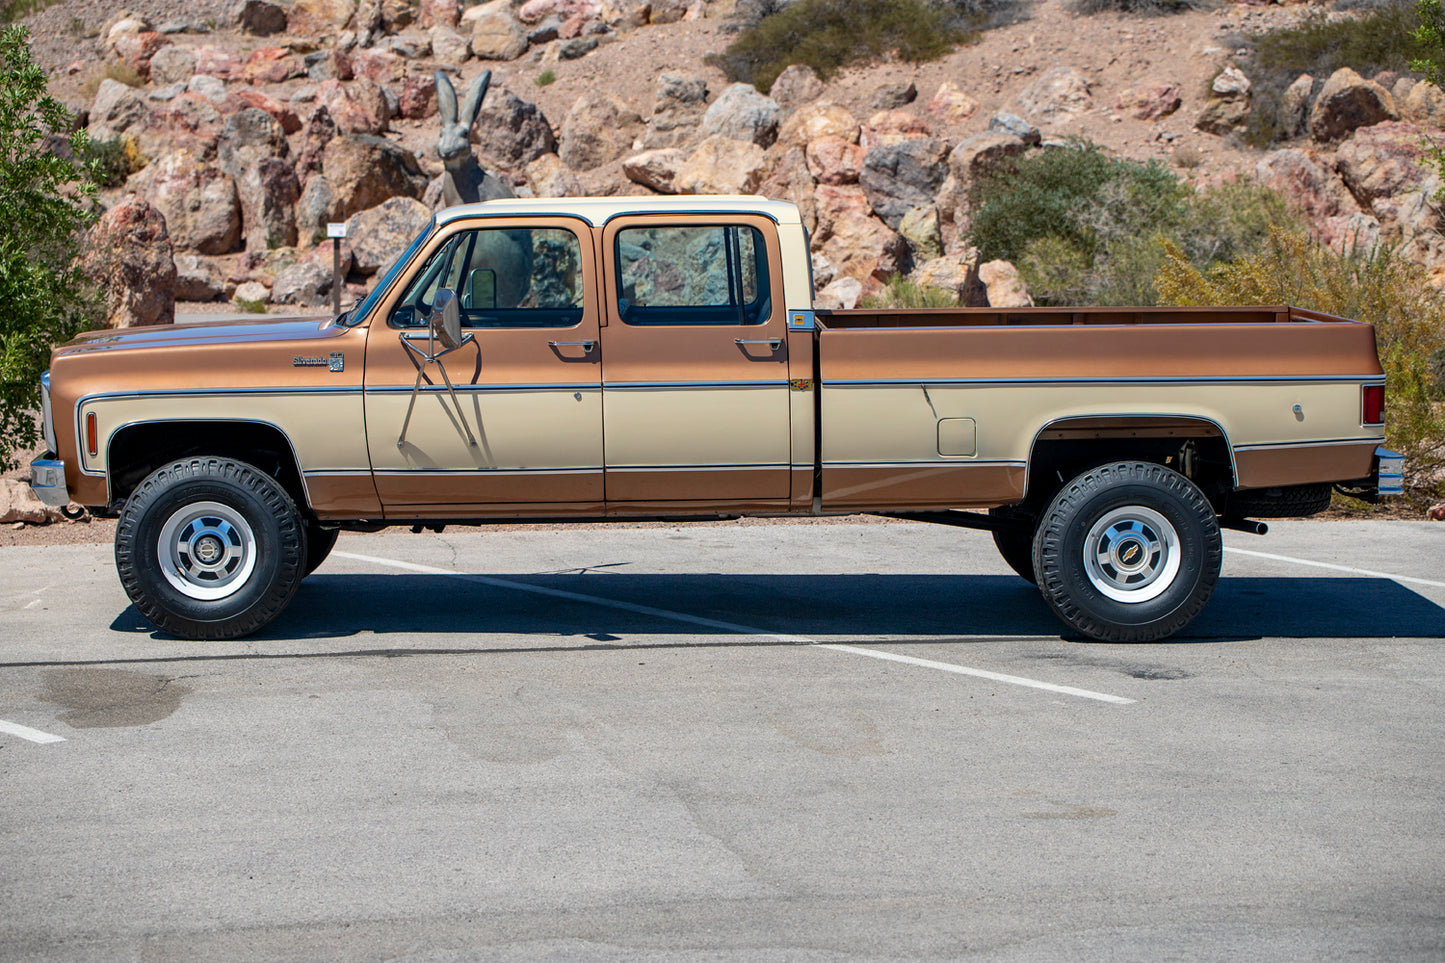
{"x":1389,"y":472}
{"x":47,"y":480}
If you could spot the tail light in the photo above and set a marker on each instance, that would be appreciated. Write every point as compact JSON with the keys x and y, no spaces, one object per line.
{"x":1372,"y":405}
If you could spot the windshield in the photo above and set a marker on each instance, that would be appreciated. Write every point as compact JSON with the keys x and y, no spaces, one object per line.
{"x":355,"y":315}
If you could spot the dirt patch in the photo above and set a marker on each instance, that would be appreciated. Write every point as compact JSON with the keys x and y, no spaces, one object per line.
{"x":110,"y":698}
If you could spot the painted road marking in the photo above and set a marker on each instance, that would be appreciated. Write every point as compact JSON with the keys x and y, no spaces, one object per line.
{"x":732,"y":627}
{"x":1336,"y":568}
{"x":980,"y":673}
{"x":25,"y":732}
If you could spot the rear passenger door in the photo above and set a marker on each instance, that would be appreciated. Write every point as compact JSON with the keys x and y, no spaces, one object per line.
{"x":695,"y":364}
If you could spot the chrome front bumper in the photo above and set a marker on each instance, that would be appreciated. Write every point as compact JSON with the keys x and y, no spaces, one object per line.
{"x":1389,"y":472}
{"x":47,"y":480}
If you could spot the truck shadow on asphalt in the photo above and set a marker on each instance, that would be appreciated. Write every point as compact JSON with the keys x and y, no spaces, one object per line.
{"x":933,"y":608}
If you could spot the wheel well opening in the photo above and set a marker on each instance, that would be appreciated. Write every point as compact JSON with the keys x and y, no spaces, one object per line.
{"x":137,"y":450}
{"x":1197,"y":450}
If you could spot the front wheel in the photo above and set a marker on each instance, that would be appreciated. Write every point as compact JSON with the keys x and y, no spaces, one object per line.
{"x":210,"y":548}
{"x":1128,"y":552}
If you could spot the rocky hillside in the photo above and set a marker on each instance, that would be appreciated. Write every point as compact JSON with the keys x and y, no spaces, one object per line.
{"x":253,"y":124}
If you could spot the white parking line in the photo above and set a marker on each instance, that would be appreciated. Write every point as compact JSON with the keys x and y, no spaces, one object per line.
{"x":732,"y":627}
{"x":1336,"y":568}
{"x":25,"y":732}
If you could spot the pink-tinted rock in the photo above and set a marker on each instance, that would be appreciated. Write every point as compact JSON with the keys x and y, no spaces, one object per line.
{"x":1061,"y":91}
{"x":187,"y":121}
{"x":790,"y":180}
{"x":1151,"y":101}
{"x":1006,"y":289}
{"x":1312,"y":189}
{"x":284,"y":115}
{"x":950,"y":105}
{"x":137,"y":49}
{"x":377,"y":65}
{"x":129,"y":255}
{"x":1436,"y":513}
{"x":656,"y":169}
{"x":722,"y":165}
{"x":818,"y":119}
{"x":319,"y":18}
{"x":219,"y":62}
{"x":833,"y":160}
{"x":440,"y":13}
{"x":418,"y":98}
{"x":795,"y":86}
{"x":889,"y":127}
{"x":272,"y":65}
{"x":199,"y":203}
{"x":357,"y":109}
{"x":319,"y":131}
{"x":1384,"y":160}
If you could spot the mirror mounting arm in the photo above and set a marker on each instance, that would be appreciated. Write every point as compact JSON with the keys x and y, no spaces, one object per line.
{"x":445,"y":327}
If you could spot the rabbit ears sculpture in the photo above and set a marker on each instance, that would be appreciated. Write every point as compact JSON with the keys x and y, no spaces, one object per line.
{"x":465,"y":181}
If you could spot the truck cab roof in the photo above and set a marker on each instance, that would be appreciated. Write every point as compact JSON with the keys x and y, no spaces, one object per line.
{"x":599,"y":210}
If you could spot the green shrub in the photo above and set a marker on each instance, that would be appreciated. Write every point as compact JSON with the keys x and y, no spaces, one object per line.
{"x":1083,"y":227}
{"x":829,"y":34}
{"x":546,"y":77}
{"x":20,"y":9}
{"x":113,"y":160}
{"x":1146,"y":8}
{"x":1380,"y":38}
{"x":1377,"y":286}
{"x":903,"y":293}
{"x":45,"y":206}
{"x":247,"y":306}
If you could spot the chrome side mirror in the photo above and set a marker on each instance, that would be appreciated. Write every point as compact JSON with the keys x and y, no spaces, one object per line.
{"x":446,"y":319}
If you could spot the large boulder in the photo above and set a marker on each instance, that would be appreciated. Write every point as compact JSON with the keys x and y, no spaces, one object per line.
{"x":1310,"y":188}
{"x":318,"y":131}
{"x":116,"y":109}
{"x":889,"y":127}
{"x":307,"y":283}
{"x":199,"y":203}
{"x":129,"y":254}
{"x":496,"y":33}
{"x":1384,"y":161}
{"x":319,"y":18}
{"x":418,"y":98}
{"x":956,"y":274}
{"x":376,"y":236}
{"x":678,"y":103}
{"x":1150,"y":101}
{"x":1349,"y":102}
{"x":795,"y":86}
{"x":511,"y":132}
{"x":549,"y":177}
{"x":656,"y":169}
{"x":137,"y":49}
{"x":189,"y":121}
{"x":269,"y":191}
{"x":1229,"y":103}
{"x":248,"y":136}
{"x":173,"y":65}
{"x":923,"y":231}
{"x":899,"y":177}
{"x":259,"y":18}
{"x":950,"y":105}
{"x":439,"y":13}
{"x":358,"y":108}
{"x":363,"y":171}
{"x":448,"y":47}
{"x":722,"y":165}
{"x":219,"y":62}
{"x":197,"y":279}
{"x":740,"y":112}
{"x":834,"y":160}
{"x":244,"y":97}
{"x":1005,"y":288}
{"x":858,"y":245}
{"x":598,"y":129}
{"x":1061,"y":92}
{"x":790,"y":180}
{"x":1294,"y":106}
{"x":1424,"y":105}
{"x":818,"y":119}
{"x":272,"y":65}
{"x":19,"y":503}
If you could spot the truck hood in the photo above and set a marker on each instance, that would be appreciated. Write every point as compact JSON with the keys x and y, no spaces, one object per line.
{"x":201,"y":334}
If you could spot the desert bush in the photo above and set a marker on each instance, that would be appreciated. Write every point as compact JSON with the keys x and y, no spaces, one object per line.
{"x":829,"y":34}
{"x":1377,"y":286}
{"x":112,"y":161}
{"x":44,"y":205}
{"x":16,"y":10}
{"x":1382,"y":37}
{"x":1083,"y":227}
{"x":903,"y":293}
{"x":1145,"y":8}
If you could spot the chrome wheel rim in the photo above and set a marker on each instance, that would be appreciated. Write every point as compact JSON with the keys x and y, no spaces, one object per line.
{"x":207,"y":551}
{"x":1132,"y":554}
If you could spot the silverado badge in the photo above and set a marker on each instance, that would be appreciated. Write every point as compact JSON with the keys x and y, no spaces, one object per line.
{"x":337,"y":361}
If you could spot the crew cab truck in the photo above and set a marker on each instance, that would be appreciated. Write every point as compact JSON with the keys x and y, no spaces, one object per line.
{"x":629,"y":358}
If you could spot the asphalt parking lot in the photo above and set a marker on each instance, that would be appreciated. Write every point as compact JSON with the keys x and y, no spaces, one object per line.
{"x":729,"y":742}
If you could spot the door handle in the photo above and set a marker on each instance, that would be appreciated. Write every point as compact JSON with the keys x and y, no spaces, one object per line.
{"x":586,"y":346}
{"x":774,"y":343}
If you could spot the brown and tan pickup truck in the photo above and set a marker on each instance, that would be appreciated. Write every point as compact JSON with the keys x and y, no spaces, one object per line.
{"x":626,"y":358}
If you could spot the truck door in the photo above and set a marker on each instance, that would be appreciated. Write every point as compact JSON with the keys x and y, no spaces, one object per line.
{"x":695,"y":364}
{"x":510,"y":420}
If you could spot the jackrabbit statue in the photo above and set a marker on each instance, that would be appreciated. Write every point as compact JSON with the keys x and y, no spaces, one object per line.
{"x":464,"y":181}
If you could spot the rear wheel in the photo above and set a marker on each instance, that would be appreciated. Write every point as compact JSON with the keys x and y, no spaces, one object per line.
{"x":210,"y":548}
{"x":1128,"y":552}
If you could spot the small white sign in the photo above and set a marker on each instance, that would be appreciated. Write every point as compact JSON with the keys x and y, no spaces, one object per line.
{"x":336,"y":230}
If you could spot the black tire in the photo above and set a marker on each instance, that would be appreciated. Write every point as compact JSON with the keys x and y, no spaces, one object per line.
{"x":1128,"y":552}
{"x":210,"y":548}
{"x":1294,"y":501}
{"x":1016,"y":545}
{"x":319,"y":543}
